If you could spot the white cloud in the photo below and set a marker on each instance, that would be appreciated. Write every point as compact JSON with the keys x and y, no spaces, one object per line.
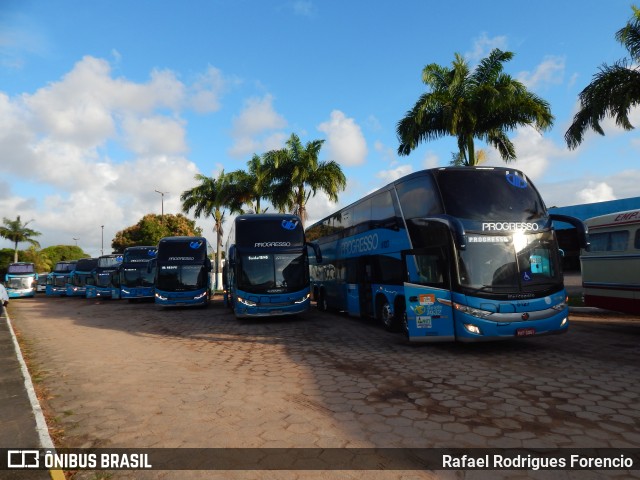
{"x":483,"y":45}
{"x":206,"y":91}
{"x":251,"y":129}
{"x":550,"y":71}
{"x":154,"y":135}
{"x":596,"y":192}
{"x":395,"y":173}
{"x":53,"y":145}
{"x":345,"y":141}
{"x":533,"y":151}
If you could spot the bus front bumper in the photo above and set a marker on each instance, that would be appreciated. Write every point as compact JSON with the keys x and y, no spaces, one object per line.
{"x":246,"y":308}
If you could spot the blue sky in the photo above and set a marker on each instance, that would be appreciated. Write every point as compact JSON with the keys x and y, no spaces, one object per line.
{"x":104,"y":102}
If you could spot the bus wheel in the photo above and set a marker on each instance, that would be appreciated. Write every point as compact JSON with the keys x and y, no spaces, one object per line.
{"x":386,"y":316}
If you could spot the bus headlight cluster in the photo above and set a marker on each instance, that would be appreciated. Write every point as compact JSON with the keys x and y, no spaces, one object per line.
{"x":203,"y":294}
{"x":160,"y":297}
{"x":476,"y":312}
{"x":246,"y":302}
{"x":559,"y":307}
{"x":302,"y":300}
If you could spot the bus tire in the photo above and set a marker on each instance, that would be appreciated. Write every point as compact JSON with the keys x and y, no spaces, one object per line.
{"x":386,"y":315}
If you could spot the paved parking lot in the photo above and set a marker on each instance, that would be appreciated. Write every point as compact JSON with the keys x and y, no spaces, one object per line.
{"x":130,"y":375}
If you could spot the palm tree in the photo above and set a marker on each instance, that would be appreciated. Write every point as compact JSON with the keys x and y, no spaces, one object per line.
{"x":209,"y":199}
{"x":482,"y":104}
{"x":298,"y":175}
{"x":250,"y":186}
{"x":17,"y":232}
{"x":613,"y":91}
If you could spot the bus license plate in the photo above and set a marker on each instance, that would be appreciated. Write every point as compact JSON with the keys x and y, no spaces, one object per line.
{"x":276,"y":312}
{"x":525,"y":332}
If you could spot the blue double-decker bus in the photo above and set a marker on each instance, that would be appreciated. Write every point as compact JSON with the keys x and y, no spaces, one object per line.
{"x":80,"y":277}
{"x":136,"y":275}
{"x":21,"y":280}
{"x":464,"y":254}
{"x":104,"y":276}
{"x":57,"y":279}
{"x":183,"y":272}
{"x":267,"y":266}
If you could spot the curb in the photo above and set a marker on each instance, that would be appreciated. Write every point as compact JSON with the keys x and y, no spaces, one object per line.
{"x":41,"y":423}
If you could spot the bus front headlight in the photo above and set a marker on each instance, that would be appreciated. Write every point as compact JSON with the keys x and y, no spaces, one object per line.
{"x":246,"y":302}
{"x":302,"y":300}
{"x":475,"y":312}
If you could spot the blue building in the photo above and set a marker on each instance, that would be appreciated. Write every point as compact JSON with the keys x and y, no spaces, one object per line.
{"x":566,"y":233}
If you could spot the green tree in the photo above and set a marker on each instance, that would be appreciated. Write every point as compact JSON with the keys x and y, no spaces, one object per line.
{"x":57,"y":253}
{"x":483,"y":104}
{"x":18,"y":232}
{"x":613,"y":91}
{"x":249,"y":187}
{"x":152,"y":228}
{"x":298,"y":175}
{"x":209,"y":199}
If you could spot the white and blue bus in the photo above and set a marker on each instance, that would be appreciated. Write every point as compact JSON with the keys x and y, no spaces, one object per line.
{"x":21,"y":280}
{"x":136,"y":275}
{"x":183,"y":272}
{"x":267,"y":267}
{"x":57,"y":279}
{"x":466,"y":254}
{"x":104,"y":276}
{"x":80,"y":277}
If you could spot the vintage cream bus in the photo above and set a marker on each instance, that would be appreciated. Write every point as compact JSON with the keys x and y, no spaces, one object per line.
{"x":611,"y":267}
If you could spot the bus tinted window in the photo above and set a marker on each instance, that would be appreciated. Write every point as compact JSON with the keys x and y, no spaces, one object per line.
{"x":382,"y":208}
{"x":362,"y":213}
{"x":609,"y":241}
{"x":21,"y":268}
{"x":269,"y":233}
{"x":418,"y":197}
{"x":484,"y":195}
{"x":636,"y":242}
{"x":178,"y":251}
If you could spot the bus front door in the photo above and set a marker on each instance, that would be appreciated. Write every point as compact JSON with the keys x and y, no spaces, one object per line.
{"x":429,"y":308}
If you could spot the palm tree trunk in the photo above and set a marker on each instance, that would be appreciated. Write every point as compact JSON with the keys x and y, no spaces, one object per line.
{"x":471,"y":161}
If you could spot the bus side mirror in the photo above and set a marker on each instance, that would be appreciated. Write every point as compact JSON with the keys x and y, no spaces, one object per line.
{"x":208,"y":264}
{"x":581,"y":228}
{"x":316,"y":250}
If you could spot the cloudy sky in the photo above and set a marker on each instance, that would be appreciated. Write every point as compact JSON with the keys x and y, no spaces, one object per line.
{"x":103,"y":103}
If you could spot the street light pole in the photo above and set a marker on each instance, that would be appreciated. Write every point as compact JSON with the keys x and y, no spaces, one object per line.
{"x":162,"y":205}
{"x":102,"y":244}
{"x":76,"y":239}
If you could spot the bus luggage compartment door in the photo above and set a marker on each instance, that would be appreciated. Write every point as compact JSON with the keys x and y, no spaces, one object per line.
{"x":353,"y":299}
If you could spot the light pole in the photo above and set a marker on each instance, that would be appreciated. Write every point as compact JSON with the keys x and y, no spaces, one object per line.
{"x":76,"y":239}
{"x":162,"y":205}
{"x":102,"y":243}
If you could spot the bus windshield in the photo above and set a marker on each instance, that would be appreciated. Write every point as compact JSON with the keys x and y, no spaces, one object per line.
{"x":272,"y":272}
{"x":107,"y":262}
{"x":182,"y":277}
{"x":19,"y":283}
{"x":139,"y":276}
{"x":81,"y":279}
{"x":518,"y":263}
